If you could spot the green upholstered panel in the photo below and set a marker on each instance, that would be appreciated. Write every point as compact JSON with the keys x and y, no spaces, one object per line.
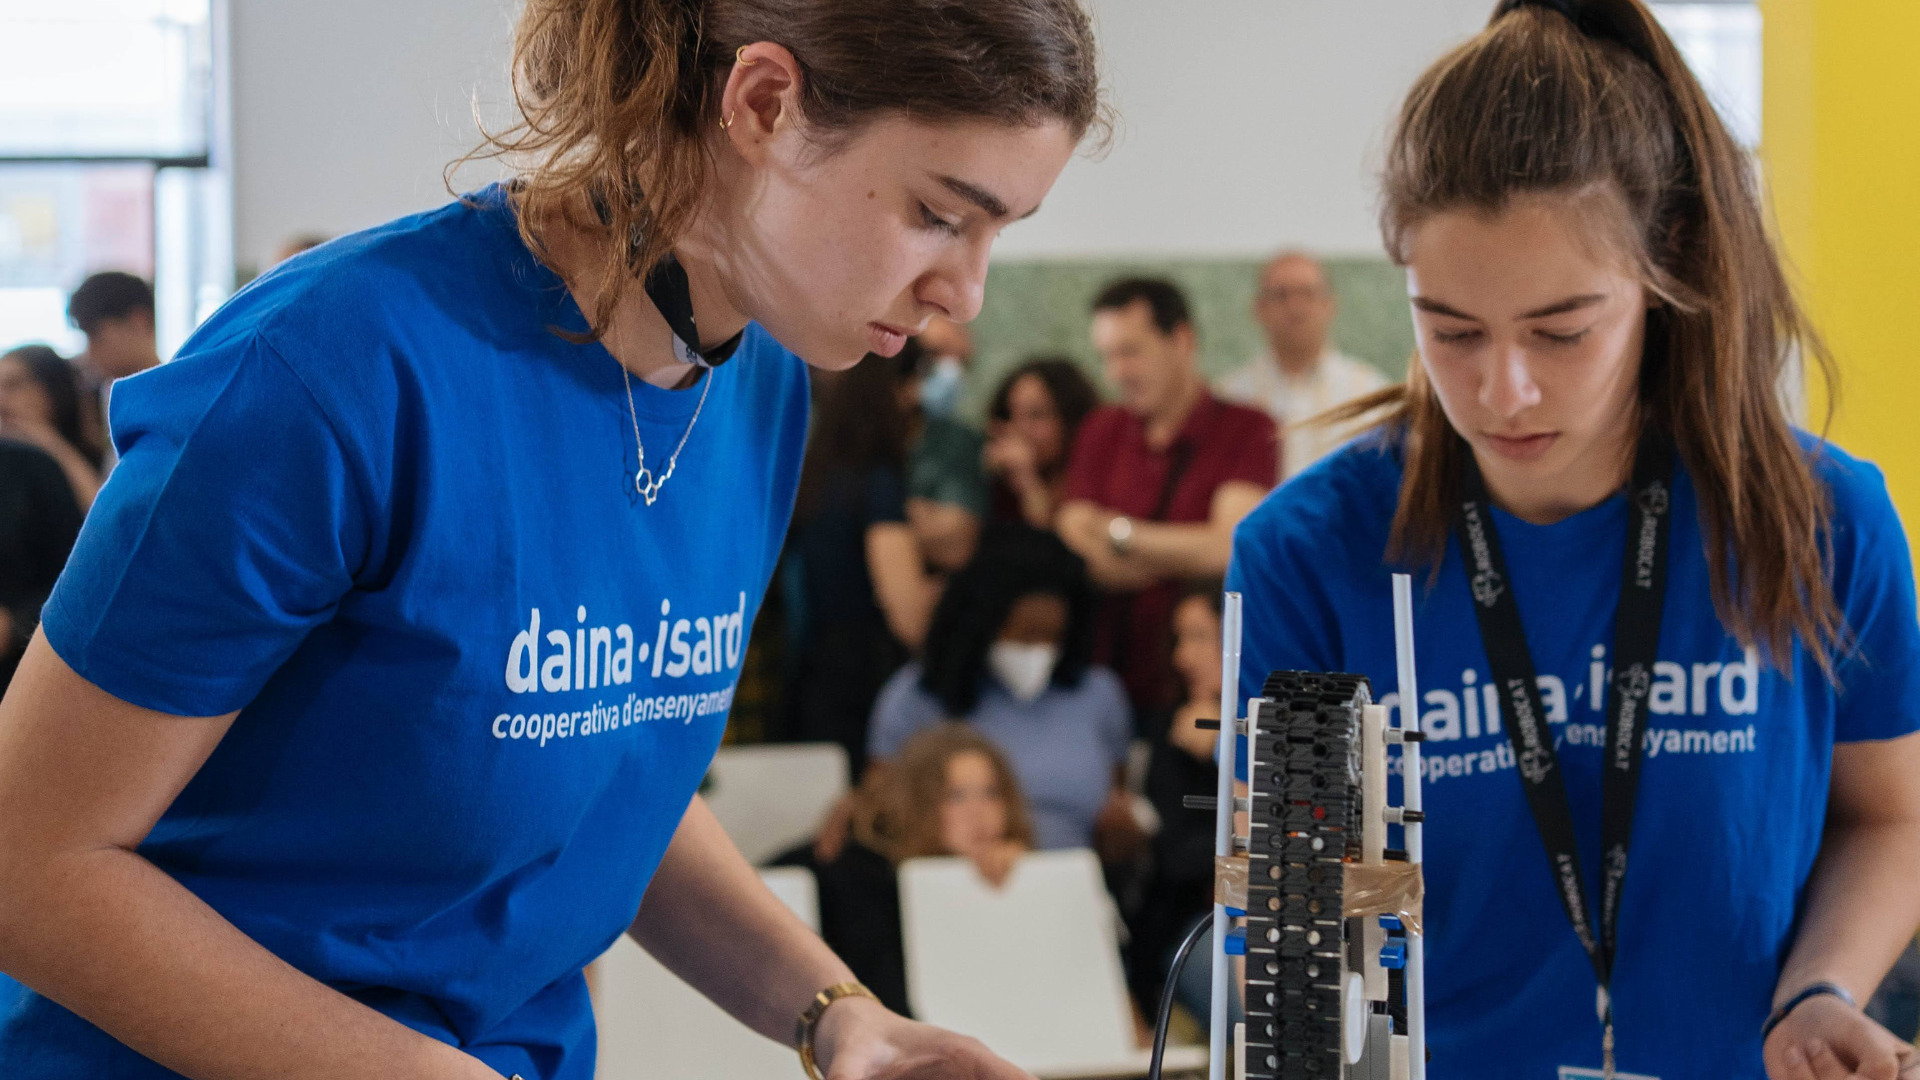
{"x":1041,"y":307}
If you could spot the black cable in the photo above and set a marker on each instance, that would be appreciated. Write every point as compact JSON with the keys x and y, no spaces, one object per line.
{"x":1166,"y":996}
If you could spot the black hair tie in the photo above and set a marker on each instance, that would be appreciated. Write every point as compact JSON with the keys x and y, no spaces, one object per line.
{"x":1569,"y":8}
{"x":1593,"y":23}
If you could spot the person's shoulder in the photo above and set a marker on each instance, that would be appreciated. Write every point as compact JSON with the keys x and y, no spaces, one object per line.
{"x":1348,"y":495}
{"x":401,"y":281}
{"x":23,"y":464}
{"x":17,"y":454}
{"x":1355,"y":373}
{"x":1101,"y":681}
{"x":947,"y":432}
{"x":1858,"y":499}
{"x":1105,"y":422}
{"x":1849,"y":479}
{"x":1247,"y":383}
{"x":1233,"y":420}
{"x":901,"y":690}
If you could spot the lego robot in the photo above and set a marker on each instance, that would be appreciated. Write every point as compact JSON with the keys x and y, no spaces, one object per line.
{"x":1334,"y":975}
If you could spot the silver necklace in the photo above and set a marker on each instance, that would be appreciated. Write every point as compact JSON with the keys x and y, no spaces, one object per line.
{"x":644,"y":481}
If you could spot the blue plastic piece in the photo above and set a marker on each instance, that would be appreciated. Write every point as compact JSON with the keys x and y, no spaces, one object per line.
{"x":1236,"y":913}
{"x":1236,"y":943}
{"x":1393,"y":955}
{"x":1390,"y":922}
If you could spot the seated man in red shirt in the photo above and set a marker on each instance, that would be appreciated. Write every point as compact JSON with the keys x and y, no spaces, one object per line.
{"x":1157,"y":482}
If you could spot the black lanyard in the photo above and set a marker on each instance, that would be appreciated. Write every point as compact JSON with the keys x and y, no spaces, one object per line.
{"x":1636,"y":641}
{"x":667,"y":286}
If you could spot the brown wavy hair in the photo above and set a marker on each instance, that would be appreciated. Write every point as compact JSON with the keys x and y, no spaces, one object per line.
{"x":899,"y":814}
{"x":1600,"y":109}
{"x":618,"y":98}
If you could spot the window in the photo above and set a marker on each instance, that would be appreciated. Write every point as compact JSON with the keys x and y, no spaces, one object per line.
{"x":1721,"y":42}
{"x":107,"y":139}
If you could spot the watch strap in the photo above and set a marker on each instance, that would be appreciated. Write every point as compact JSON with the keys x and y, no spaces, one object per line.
{"x":810,"y":1019}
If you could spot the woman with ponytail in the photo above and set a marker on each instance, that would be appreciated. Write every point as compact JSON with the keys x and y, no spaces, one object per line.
{"x":377,"y":692}
{"x":1669,"y":665}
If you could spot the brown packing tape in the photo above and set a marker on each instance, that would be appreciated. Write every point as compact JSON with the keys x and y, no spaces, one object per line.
{"x":1230,"y":881}
{"x":1390,"y":888}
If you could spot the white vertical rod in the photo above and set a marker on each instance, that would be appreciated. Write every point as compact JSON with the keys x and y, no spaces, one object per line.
{"x":1217,"y":1045}
{"x":1410,"y":776}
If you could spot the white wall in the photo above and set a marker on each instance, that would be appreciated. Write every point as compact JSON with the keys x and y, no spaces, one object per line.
{"x":1245,"y":124}
{"x":346,"y":111}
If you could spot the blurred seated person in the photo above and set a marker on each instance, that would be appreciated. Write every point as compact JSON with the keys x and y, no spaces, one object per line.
{"x":1299,"y":375}
{"x":40,"y":405}
{"x":950,"y":791}
{"x":947,"y":495}
{"x":1157,"y":483}
{"x":1032,"y":419}
{"x":115,"y":312}
{"x":1180,"y":884}
{"x":949,"y":349}
{"x":297,"y":244}
{"x":39,"y":521}
{"x":855,"y":591}
{"x":1008,"y":654}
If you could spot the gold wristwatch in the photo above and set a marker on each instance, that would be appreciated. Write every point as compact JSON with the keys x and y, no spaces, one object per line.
{"x":803,"y":1030}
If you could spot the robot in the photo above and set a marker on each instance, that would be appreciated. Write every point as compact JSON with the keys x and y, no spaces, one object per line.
{"x":1334,"y":964}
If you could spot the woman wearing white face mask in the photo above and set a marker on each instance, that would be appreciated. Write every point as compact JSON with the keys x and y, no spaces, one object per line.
{"x":1008,"y":654}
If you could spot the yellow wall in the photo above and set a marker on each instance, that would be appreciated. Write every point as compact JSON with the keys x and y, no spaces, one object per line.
{"x":1842,"y":155}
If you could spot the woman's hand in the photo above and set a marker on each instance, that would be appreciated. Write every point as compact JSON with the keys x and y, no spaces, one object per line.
{"x":861,"y":1039}
{"x":1012,"y":457}
{"x":834,"y":830}
{"x":1188,"y":736}
{"x":1827,"y":1039}
{"x":995,"y":861}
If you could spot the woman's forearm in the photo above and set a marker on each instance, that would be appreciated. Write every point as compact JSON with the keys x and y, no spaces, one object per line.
{"x":710,"y":919}
{"x":108,"y":935}
{"x":90,"y":924}
{"x":1862,"y":907}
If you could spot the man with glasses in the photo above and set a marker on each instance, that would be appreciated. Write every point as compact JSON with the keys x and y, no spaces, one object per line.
{"x":1299,"y":375}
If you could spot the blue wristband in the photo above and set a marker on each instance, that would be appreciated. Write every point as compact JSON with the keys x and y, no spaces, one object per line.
{"x":1816,"y":990}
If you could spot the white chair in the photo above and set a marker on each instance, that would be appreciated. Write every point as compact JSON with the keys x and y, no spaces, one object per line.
{"x":655,"y":1027}
{"x":770,"y":798}
{"x":1031,"y":969}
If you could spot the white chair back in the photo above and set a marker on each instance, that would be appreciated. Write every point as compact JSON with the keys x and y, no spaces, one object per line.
{"x":1032,"y":968}
{"x":770,"y":798}
{"x":655,"y":1027}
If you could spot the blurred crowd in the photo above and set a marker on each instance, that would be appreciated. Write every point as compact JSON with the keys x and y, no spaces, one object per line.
{"x":1013,"y":631}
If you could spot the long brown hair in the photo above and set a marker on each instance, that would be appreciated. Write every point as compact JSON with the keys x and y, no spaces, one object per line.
{"x":1589,"y":100}
{"x":899,"y":816}
{"x":618,"y":98}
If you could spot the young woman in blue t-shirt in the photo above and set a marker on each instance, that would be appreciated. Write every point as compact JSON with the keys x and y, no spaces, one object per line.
{"x":1595,"y":412}
{"x":377,"y":692}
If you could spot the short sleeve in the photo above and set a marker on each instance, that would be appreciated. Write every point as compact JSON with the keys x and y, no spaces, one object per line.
{"x":901,"y":711}
{"x":1115,"y":713}
{"x":1879,"y":679}
{"x":884,"y":500}
{"x":1255,"y":457}
{"x":233,"y":525}
{"x":1281,"y":553}
{"x":1088,"y":464}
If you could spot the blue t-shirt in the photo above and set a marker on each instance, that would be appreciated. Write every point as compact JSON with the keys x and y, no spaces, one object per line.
{"x":1063,"y":745}
{"x":379,"y":507}
{"x":1733,"y":792}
